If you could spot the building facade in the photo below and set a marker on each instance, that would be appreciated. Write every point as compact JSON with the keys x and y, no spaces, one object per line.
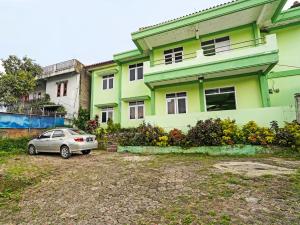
{"x":67,"y":84}
{"x":238,"y":60}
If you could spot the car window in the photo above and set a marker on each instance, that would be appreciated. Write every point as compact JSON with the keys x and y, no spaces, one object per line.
{"x":76,"y":131}
{"x":58,"y":133}
{"x":46,"y":135}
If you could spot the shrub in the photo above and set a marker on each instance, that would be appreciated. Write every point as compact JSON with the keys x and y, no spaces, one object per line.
{"x":288,"y":135}
{"x":255,"y":135}
{"x":91,"y":126}
{"x":163,"y":141}
{"x":112,"y":127}
{"x":176,"y":138}
{"x":232,"y":134}
{"x":205,"y":133}
{"x":82,"y":119}
{"x":14,"y":145}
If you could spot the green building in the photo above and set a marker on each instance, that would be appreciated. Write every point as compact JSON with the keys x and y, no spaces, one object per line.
{"x":238,"y":60}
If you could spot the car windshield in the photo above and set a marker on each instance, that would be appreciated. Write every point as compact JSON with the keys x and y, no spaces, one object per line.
{"x":76,"y":131}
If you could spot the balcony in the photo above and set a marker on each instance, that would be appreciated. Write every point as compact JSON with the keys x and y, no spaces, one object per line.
{"x":59,"y":68}
{"x":253,"y":56}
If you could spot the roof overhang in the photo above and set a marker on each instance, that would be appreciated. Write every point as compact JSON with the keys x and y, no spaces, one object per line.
{"x":227,"y":16}
{"x":107,"y":105}
{"x":136,"y":98}
{"x":128,"y":56}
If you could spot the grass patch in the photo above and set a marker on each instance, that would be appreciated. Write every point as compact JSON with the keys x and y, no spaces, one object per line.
{"x":15,"y":178}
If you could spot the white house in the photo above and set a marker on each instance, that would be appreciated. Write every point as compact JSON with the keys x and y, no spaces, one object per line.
{"x":67,"y":84}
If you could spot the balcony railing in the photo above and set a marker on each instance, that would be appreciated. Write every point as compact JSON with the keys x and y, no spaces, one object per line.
{"x":211,"y":50}
{"x":59,"y":67}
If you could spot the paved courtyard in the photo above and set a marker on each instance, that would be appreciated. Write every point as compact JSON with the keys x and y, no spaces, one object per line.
{"x":104,"y":188}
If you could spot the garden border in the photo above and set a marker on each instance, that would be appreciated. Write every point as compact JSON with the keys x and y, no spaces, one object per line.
{"x":237,"y":150}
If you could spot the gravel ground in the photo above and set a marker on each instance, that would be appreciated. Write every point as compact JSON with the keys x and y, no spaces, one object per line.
{"x":111,"y":188}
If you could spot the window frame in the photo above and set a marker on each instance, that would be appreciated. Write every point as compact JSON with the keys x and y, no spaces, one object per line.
{"x":65,"y":88}
{"x":107,"y":79}
{"x":235,"y":97}
{"x":51,"y":132}
{"x":107,"y":110}
{"x":58,"y":90}
{"x":214,"y":44}
{"x":172,"y":53}
{"x":176,"y":102}
{"x":135,"y":68}
{"x":136,"y":112}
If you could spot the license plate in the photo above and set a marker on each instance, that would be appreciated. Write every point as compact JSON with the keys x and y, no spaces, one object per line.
{"x":89,"y":139}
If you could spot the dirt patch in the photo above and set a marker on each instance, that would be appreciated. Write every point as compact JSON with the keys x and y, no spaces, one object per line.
{"x":252,"y":169}
{"x":137,"y":158}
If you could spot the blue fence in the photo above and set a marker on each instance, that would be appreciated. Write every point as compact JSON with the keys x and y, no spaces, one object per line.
{"x":8,"y":120}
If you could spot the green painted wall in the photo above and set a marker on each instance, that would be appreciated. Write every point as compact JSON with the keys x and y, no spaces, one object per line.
{"x":100,"y":96}
{"x":289,"y":59}
{"x":190,"y":47}
{"x":132,"y":88}
{"x":192,"y":97}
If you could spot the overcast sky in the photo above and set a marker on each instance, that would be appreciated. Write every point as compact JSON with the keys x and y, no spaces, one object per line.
{"x":91,"y":31}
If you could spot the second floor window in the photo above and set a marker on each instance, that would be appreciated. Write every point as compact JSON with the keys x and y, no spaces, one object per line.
{"x":108,"y":82}
{"x":136,"y":72}
{"x":58,"y":89}
{"x":176,"y":103}
{"x":215,"y":46}
{"x":65,"y":88}
{"x":173,"y":55}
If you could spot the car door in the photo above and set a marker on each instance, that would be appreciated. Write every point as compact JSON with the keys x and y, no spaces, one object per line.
{"x":56,"y":140}
{"x":42,"y":144}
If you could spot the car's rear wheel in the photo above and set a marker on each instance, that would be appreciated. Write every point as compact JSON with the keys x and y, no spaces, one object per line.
{"x":86,"y":152}
{"x":65,"y":152}
{"x":31,"y":150}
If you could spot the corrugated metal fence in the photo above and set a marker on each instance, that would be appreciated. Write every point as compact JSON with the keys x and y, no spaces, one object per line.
{"x":21,"y":121}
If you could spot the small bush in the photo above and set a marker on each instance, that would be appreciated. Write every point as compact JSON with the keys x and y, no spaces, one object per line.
{"x":205,"y":133}
{"x":255,"y":135}
{"x":112,"y":127}
{"x":288,"y":136}
{"x":232,"y":134}
{"x":177,"y":138}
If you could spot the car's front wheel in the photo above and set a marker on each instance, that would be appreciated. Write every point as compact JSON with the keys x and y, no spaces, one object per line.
{"x":31,"y":150}
{"x":86,"y":152}
{"x":65,"y":152}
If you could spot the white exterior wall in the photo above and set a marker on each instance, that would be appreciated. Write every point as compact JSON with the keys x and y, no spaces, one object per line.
{"x":71,"y":101}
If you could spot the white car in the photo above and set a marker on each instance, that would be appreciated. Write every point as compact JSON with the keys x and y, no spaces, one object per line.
{"x":64,"y":141}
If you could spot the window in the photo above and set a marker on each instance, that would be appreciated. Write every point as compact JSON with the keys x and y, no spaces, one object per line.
{"x":58,"y":89}
{"x":220,"y":99}
{"x":34,"y":96}
{"x":136,"y":110}
{"x":176,"y":103}
{"x":58,"y":133}
{"x":39,"y":95}
{"x":46,"y":135}
{"x":136,"y":72}
{"x":108,"y":82}
{"x":173,"y":55}
{"x":107,"y":113}
{"x":65,"y":88}
{"x":216,"y":46}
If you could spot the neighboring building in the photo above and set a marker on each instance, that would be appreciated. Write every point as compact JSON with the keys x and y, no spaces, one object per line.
{"x":67,"y":84}
{"x":209,"y":64}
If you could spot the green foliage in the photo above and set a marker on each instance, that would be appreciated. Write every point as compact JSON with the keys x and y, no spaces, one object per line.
{"x":256,"y":135}
{"x":112,"y":127}
{"x":83,"y":118}
{"x":288,"y":136}
{"x":232,"y":134}
{"x":14,"y":145}
{"x":18,"y":79}
{"x":144,"y":135}
{"x":205,"y":133}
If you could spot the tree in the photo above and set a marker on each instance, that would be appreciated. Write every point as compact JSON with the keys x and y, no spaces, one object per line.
{"x":18,"y":80}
